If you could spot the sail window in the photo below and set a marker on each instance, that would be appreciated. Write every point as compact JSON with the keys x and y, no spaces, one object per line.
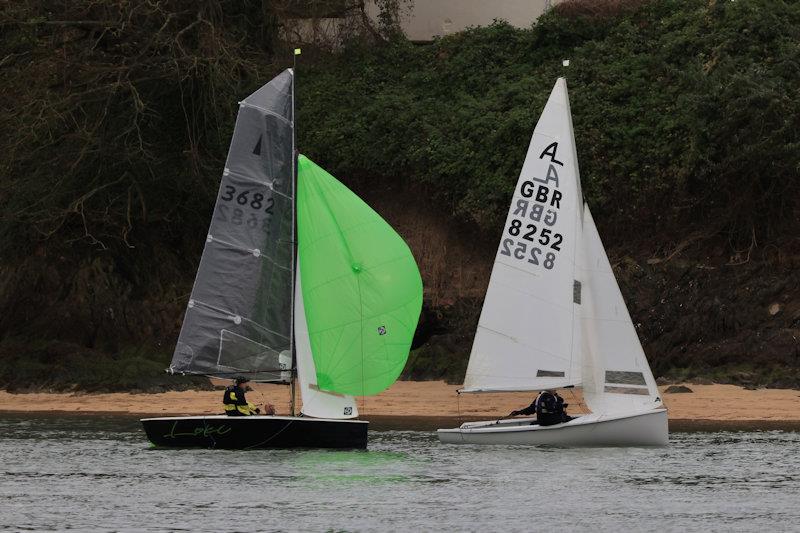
{"x":625,"y":377}
{"x":576,"y":291}
{"x":627,"y":390}
{"x":242,"y":354}
{"x":549,"y":374}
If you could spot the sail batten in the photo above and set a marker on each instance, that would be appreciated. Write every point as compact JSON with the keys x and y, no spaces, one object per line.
{"x":277,"y":192}
{"x":269,"y":112}
{"x":489,"y":390}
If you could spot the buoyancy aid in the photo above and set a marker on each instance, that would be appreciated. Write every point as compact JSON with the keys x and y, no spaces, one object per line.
{"x":235,"y":403}
{"x":548,"y":409}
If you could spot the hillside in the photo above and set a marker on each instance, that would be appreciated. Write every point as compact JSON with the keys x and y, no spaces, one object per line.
{"x":116,"y":121}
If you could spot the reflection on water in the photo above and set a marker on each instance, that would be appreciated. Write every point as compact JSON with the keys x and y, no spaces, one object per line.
{"x":99,"y":473}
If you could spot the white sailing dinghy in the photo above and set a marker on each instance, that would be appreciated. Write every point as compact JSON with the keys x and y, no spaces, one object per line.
{"x":554,"y":316}
{"x":330,"y":302}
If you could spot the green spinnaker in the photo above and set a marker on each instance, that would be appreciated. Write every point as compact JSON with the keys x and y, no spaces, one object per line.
{"x":362,"y":289}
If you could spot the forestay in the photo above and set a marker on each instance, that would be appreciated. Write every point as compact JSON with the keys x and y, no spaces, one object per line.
{"x":525,"y":338}
{"x":361,"y":288}
{"x":238,"y":319}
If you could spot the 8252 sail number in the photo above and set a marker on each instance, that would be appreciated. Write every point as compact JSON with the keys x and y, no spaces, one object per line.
{"x":529,"y":251}
{"x":546,"y":235}
{"x":532,"y":254}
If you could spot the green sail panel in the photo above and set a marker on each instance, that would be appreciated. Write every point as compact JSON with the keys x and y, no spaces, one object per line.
{"x":361,"y":288}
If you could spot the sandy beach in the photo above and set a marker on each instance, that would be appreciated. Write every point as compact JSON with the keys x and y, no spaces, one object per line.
{"x":713,"y":406}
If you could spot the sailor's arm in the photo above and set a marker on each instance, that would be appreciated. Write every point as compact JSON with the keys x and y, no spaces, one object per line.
{"x":530,"y":410}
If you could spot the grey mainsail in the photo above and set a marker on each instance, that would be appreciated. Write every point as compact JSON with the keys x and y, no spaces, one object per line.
{"x":238,"y":319}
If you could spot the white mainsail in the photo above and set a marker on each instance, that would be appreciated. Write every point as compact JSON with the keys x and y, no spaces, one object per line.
{"x":525,"y":338}
{"x":561,"y":322}
{"x":316,"y":403}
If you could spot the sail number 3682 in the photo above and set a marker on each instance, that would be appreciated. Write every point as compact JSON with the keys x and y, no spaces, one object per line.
{"x":229,"y":212}
{"x":243,"y":198}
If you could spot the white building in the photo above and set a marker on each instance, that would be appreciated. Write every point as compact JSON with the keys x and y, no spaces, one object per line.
{"x":421,"y":20}
{"x":429,"y":19}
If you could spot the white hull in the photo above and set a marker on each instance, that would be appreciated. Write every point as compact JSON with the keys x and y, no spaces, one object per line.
{"x":637,"y":429}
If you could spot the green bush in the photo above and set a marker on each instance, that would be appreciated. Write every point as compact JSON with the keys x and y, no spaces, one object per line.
{"x":685,"y":112}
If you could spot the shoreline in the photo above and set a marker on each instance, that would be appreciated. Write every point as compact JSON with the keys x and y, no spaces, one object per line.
{"x":432,"y":404}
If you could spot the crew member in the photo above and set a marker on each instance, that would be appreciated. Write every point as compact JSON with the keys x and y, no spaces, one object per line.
{"x":549,"y":408}
{"x":530,"y":410}
{"x":235,"y":402}
{"x":561,"y":408}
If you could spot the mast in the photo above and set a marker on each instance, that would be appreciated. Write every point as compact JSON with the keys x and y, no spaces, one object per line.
{"x":294,"y":235}
{"x":577,"y":276}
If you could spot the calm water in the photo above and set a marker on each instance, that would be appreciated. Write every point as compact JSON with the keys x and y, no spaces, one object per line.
{"x":100,"y":474}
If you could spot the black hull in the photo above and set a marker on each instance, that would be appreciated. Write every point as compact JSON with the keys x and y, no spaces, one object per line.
{"x":254,"y":432}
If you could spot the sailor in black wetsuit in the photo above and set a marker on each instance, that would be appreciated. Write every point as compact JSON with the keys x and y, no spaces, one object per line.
{"x":547,"y":413}
{"x":235,"y":402}
{"x":530,"y":410}
{"x":549,"y":408}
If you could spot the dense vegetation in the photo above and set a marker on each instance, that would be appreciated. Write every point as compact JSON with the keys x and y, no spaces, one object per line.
{"x":686,"y":112}
{"x":116,"y":118}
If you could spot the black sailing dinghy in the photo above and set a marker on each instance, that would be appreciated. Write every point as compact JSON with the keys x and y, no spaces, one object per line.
{"x":300,"y":282}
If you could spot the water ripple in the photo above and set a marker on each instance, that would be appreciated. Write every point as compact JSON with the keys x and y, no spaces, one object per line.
{"x":100,"y":474}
